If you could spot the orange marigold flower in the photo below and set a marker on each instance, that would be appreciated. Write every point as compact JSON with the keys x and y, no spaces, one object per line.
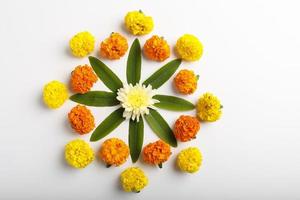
{"x":186,"y":128}
{"x":186,"y":81}
{"x":114,"y":152}
{"x":114,"y":47}
{"x":83,"y":79}
{"x":81,"y":119}
{"x":156,"y":153}
{"x":156,"y":48}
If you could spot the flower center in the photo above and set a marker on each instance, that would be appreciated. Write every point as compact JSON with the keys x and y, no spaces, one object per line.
{"x":137,"y":99}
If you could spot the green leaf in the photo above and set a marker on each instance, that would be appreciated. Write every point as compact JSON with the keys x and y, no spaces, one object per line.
{"x":160,"y":127}
{"x":136,"y":138}
{"x":108,"y":77}
{"x":134,"y":63}
{"x":163,"y":74}
{"x":96,"y":98}
{"x":173,"y":103}
{"x":108,"y":125}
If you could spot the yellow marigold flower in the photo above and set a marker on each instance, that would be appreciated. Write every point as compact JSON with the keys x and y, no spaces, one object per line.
{"x":186,"y":128}
{"x":83,"y":79}
{"x":113,"y":47}
{"x":186,"y":81}
{"x":138,"y":23}
{"x":209,"y":108}
{"x":55,"y":94}
{"x":82,"y":44}
{"x":81,"y":119}
{"x":156,"y":48}
{"x":78,"y":153}
{"x":114,"y":152}
{"x":189,"y":160}
{"x":133,"y":179}
{"x":189,"y":47}
{"x":156,"y":153}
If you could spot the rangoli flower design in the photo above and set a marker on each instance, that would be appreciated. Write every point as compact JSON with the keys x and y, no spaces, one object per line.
{"x":135,"y":101}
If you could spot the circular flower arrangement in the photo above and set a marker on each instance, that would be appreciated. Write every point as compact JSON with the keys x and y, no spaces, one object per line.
{"x":137,"y":101}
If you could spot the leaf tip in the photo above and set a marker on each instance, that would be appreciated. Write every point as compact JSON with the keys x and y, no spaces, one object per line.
{"x":92,"y":139}
{"x":71,"y":97}
{"x":74,"y":98}
{"x":174,"y":143}
{"x":179,"y":60}
{"x":92,"y":59}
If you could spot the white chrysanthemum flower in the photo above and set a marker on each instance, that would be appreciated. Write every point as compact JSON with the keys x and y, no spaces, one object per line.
{"x":136,"y":100}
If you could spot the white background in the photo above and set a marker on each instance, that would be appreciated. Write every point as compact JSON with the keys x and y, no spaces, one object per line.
{"x":251,"y":62}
